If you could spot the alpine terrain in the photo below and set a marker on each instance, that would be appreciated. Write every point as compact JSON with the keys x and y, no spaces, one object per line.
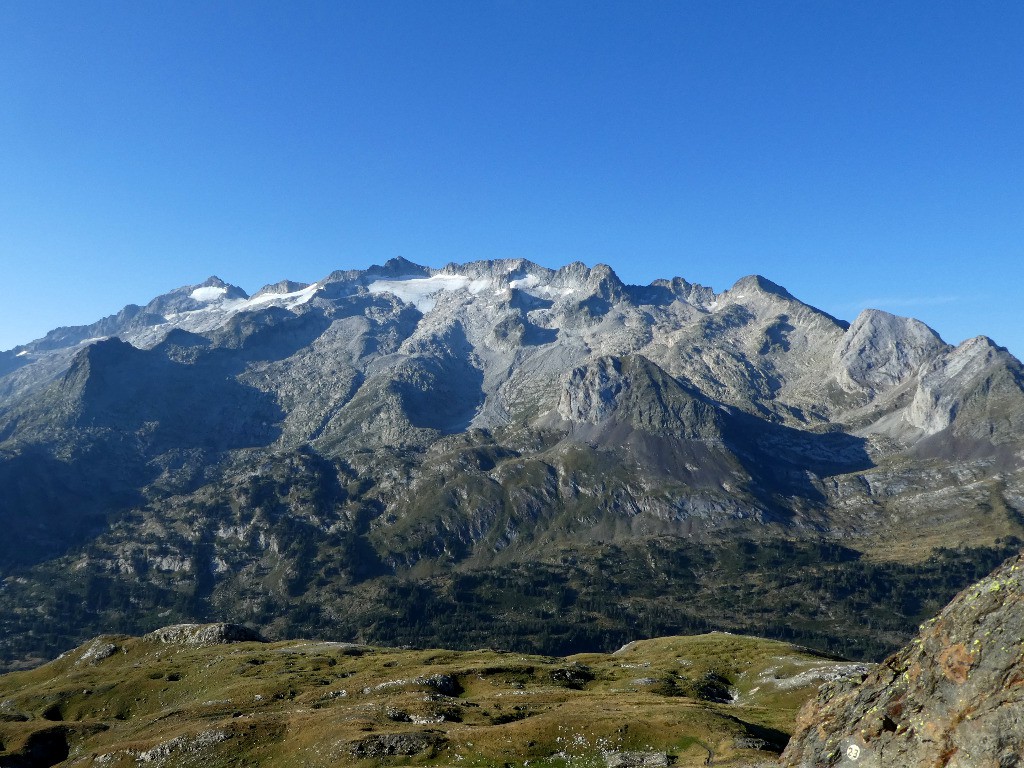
{"x":219,"y":695}
{"x":952,"y":697}
{"x":497,"y":454}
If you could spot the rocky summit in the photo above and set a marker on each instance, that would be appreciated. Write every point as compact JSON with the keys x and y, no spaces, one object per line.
{"x":500,"y":454}
{"x":953,"y":697}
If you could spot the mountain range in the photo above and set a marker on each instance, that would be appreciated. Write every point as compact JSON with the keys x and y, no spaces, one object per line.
{"x":501,"y":454}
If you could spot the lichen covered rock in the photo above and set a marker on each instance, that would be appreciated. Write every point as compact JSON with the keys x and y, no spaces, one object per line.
{"x":953,"y":697}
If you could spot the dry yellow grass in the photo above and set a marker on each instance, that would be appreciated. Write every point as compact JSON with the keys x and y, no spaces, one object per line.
{"x":120,"y":701}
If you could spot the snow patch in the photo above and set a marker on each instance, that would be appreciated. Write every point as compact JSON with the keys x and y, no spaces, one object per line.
{"x":532,"y":285}
{"x":225,"y":308}
{"x":208,"y":293}
{"x":293,"y":299}
{"x":423,"y":291}
{"x":530,"y":281}
{"x":22,"y":353}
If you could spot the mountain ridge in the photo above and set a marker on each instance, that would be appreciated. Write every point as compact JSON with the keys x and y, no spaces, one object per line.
{"x":412,"y":429}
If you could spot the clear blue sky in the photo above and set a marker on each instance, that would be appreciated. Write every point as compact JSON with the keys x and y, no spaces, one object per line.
{"x":859,"y":153}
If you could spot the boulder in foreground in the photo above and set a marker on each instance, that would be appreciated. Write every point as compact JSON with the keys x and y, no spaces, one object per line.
{"x":954,"y":697}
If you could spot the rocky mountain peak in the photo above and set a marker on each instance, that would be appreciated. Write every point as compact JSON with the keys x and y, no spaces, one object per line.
{"x":691,"y":293}
{"x":602,"y":274}
{"x":398,"y":266}
{"x":880,"y":351}
{"x":634,"y":391}
{"x":213,"y":289}
{"x":770,"y":303}
{"x":977,"y":383}
{"x":759,"y":284}
{"x":190,"y":298}
{"x":576,"y":270}
{"x":214,"y":282}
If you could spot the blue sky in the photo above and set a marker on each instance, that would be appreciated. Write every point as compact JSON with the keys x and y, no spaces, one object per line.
{"x":858,"y":153}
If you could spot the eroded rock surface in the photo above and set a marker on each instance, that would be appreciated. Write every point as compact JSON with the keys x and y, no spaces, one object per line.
{"x":953,"y":697}
{"x":395,"y":744}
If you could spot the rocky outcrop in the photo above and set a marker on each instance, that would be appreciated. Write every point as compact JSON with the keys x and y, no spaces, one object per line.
{"x":97,"y":651}
{"x":636,"y":759}
{"x":953,"y":697}
{"x":398,"y":744}
{"x":201,"y":635}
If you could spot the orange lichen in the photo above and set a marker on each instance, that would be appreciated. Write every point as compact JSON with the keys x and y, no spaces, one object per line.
{"x":956,"y":662}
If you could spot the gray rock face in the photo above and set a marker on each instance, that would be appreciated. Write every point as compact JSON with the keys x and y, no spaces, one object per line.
{"x":634,"y":390}
{"x":399,"y":744}
{"x":635,"y":759}
{"x":201,"y":635}
{"x":977,"y":386}
{"x":953,"y":697}
{"x":99,"y":650}
{"x":880,"y":351}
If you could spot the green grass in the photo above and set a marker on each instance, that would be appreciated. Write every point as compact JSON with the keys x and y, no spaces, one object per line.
{"x":327,"y":704}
